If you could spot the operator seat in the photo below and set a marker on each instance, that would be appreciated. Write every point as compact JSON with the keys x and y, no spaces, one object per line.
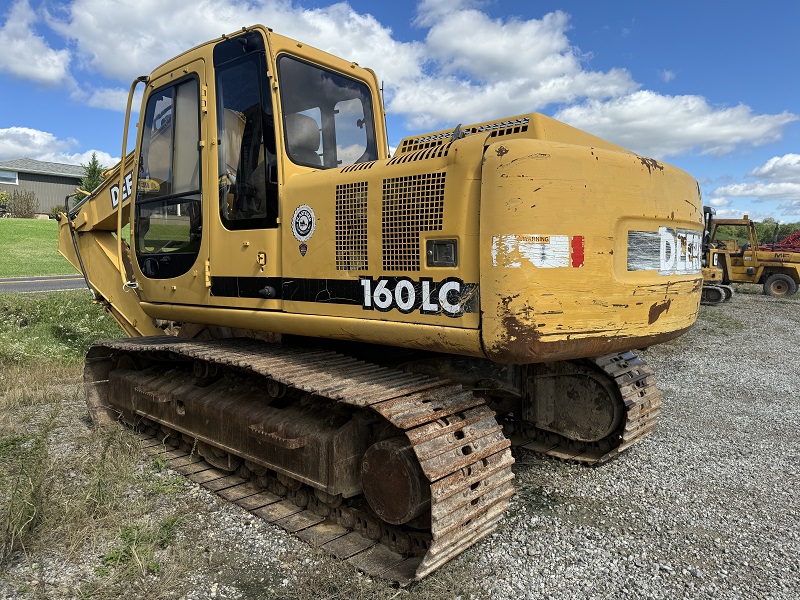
{"x":302,"y":139}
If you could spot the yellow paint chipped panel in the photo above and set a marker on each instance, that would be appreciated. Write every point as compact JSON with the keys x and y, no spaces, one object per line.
{"x":604,"y":254}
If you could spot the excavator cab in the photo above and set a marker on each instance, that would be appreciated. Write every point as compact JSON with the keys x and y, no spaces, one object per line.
{"x":220,"y":133}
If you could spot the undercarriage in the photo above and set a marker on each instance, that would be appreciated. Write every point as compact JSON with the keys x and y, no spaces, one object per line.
{"x":396,"y":470}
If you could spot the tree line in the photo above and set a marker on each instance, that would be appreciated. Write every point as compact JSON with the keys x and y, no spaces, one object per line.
{"x":765,"y":230}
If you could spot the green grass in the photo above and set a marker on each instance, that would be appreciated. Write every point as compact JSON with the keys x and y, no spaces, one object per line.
{"x":29,"y":247}
{"x":57,"y":327}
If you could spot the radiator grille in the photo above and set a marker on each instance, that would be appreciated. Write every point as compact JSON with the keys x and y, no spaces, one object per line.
{"x":432,"y":152}
{"x":351,"y":227}
{"x":358,"y":167}
{"x":410,"y":205}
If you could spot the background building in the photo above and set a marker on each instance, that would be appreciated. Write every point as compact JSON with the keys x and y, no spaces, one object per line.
{"x":51,"y":182}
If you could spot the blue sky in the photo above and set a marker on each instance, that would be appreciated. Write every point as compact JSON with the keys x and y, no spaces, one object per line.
{"x":709,"y":86}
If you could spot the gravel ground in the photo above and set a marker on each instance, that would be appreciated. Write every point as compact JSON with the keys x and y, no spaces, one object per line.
{"x":706,"y":507}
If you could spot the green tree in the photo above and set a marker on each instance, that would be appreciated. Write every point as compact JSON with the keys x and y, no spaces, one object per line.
{"x":92,"y":175}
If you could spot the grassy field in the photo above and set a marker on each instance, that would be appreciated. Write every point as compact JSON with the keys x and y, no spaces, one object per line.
{"x":29,"y":247}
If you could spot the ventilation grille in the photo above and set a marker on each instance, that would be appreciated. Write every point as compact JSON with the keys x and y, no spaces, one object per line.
{"x":358,"y":167}
{"x":493,"y":128}
{"x":351,"y":227}
{"x":410,"y":205}
{"x":437,"y":151}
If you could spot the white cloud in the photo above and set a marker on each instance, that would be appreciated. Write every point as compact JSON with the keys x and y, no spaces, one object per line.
{"x":661,"y":126}
{"x":108,"y":98}
{"x":760,"y":190}
{"x":666,"y":75}
{"x":431,"y":11}
{"x":80,"y":158}
{"x":104,"y":31}
{"x":779,"y":168}
{"x":19,"y":142}
{"x":26,"y":55}
{"x":777,"y":183}
{"x":790,"y":210}
{"x":479,"y":68}
{"x":738,"y":213}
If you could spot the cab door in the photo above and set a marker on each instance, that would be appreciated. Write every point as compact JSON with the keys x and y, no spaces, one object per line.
{"x":244,"y":260}
{"x":168,"y":231}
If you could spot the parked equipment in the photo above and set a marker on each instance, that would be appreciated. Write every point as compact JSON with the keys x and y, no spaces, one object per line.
{"x":362,"y":337}
{"x":776,"y":266}
{"x":714,"y":290}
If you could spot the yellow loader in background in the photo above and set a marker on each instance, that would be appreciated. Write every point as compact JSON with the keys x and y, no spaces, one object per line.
{"x":775,"y":266}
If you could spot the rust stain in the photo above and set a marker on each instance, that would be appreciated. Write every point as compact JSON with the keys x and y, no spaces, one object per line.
{"x":502,"y":151}
{"x":651,"y":164}
{"x":657,"y":309}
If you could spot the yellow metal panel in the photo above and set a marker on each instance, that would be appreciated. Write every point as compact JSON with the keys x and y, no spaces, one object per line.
{"x":555,"y":248}
{"x":442,"y":339}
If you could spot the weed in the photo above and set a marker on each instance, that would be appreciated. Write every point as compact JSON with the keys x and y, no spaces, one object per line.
{"x":139,"y":544}
{"x":50,"y":328}
{"x":165,"y":486}
{"x":29,"y":462}
{"x":23,"y":205}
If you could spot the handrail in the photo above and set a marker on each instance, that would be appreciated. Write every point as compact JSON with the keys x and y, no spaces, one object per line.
{"x":127,"y":281}
{"x":68,"y":217}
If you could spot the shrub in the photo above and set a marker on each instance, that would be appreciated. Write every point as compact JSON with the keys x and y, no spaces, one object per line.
{"x":5,"y":211}
{"x":23,"y":205}
{"x":57,"y":209}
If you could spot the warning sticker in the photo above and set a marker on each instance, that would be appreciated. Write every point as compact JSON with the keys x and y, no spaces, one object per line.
{"x":512,"y":251}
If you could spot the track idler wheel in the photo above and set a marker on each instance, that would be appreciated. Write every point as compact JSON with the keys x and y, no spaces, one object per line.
{"x":394,"y":484}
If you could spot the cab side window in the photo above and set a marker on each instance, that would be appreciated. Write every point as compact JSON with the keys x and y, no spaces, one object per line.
{"x":327,"y":117}
{"x":248,"y":181}
{"x":168,"y":226}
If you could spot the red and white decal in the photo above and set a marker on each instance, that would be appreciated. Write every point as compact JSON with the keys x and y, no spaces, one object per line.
{"x":511,"y":251}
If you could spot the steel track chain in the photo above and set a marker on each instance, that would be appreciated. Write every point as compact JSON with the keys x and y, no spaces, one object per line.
{"x":642,"y":400}
{"x":459,"y":445}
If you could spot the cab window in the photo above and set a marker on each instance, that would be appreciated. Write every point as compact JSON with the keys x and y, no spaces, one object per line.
{"x":168,"y":225}
{"x":327,"y":117}
{"x":248,"y":173}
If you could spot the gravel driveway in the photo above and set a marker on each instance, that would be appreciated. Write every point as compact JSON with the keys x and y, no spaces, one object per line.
{"x":706,"y":507}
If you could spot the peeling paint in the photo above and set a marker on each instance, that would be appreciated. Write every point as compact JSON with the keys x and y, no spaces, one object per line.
{"x":657,"y":309}
{"x":651,"y":163}
{"x":502,"y":151}
{"x":510,"y":251}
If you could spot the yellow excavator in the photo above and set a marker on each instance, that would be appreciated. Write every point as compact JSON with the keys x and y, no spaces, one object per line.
{"x":347,"y":343}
